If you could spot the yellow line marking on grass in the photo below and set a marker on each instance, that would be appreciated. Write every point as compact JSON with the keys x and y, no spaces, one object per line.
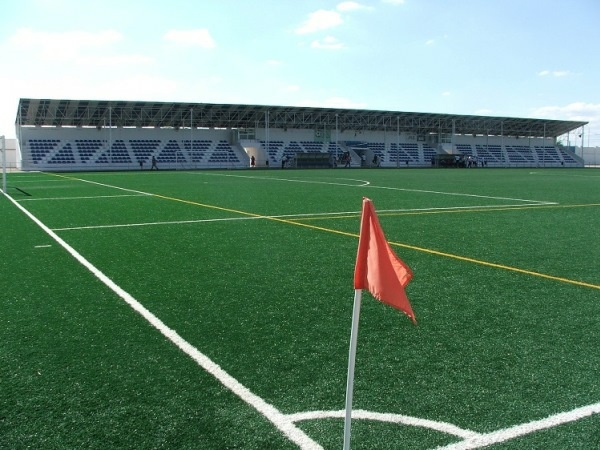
{"x":397,"y":244}
{"x":453,"y":210}
{"x":81,"y":198}
{"x":506,"y":434}
{"x":285,"y":425}
{"x":344,"y":233}
{"x":363,"y":183}
{"x":42,"y":179}
{"x":367,"y":184}
{"x":497,"y":266}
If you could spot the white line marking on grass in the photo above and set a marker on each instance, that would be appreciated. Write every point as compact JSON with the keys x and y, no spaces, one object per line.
{"x":570,"y":175}
{"x":144,"y":224}
{"x":360,"y":414}
{"x":285,"y":425}
{"x":292,"y":180}
{"x":460,"y":194}
{"x":495,"y":437}
{"x":108,"y":185}
{"x":83,"y":198}
{"x":369,"y":185}
{"x":326,"y":215}
{"x":42,"y":246}
{"x":45,"y":179}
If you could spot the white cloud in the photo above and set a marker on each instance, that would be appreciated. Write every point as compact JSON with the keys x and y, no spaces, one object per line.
{"x":62,"y":46}
{"x":197,"y":38}
{"x":134,"y":87}
{"x":555,"y":73}
{"x":274,"y":62}
{"x":351,"y":6}
{"x":117,"y":60}
{"x":141,"y":87}
{"x":291,"y":88}
{"x":328,"y":43}
{"x":334,"y":102}
{"x":576,"y":111}
{"x":320,"y":20}
{"x":446,"y":94}
{"x":430,"y":42}
{"x":573,"y":111}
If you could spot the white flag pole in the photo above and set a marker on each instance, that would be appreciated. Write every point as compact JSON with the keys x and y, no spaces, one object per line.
{"x":351,"y":359}
{"x":3,"y":165}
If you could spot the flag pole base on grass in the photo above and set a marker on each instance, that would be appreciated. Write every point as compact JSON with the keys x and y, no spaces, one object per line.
{"x":351,"y":360}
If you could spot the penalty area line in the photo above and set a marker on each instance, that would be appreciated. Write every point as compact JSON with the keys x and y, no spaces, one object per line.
{"x":359,"y":414}
{"x":506,"y":434}
{"x":277,"y":418}
{"x":84,"y":198}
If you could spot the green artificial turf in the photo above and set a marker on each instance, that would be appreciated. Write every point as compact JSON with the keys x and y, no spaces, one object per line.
{"x":254,"y":268}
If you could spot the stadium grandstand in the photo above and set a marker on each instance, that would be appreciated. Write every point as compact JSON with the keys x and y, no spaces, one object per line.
{"x":86,"y":135}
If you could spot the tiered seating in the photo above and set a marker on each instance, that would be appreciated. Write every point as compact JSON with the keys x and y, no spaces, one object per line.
{"x":428,"y":153}
{"x":465,"y":149}
{"x":491,"y":153}
{"x":334,"y":149}
{"x":171,"y":153}
{"x":547,"y":154}
{"x":274,"y":150}
{"x":519,"y":154}
{"x":223,"y":154}
{"x":567,"y":156}
{"x":291,"y":149}
{"x":63,"y":156}
{"x":407,"y":153}
{"x":378,"y":148}
{"x":312,"y":147}
{"x":40,"y":148}
{"x":87,"y":148}
{"x":142,"y":149}
{"x":198,"y":149}
{"x":119,"y":153}
{"x":412,"y":150}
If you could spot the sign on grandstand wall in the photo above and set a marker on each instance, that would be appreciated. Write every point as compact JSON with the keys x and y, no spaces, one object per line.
{"x":322,"y":135}
{"x":12,"y":161}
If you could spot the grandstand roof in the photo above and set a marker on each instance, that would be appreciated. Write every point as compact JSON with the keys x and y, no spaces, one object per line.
{"x":99,"y":113}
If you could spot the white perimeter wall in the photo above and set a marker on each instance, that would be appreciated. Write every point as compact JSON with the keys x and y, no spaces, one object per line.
{"x":113,"y":134}
{"x":12,"y":161}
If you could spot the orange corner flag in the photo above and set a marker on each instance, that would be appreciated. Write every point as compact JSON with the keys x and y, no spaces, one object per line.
{"x":378,"y":269}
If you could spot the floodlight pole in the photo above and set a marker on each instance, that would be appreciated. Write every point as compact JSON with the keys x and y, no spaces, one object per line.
{"x":267,"y":137}
{"x":544,"y":148}
{"x":397,"y":141}
{"x":452,"y":143}
{"x":337,"y":138}
{"x":502,"y":137}
{"x":3,"y":164}
{"x":110,"y":133}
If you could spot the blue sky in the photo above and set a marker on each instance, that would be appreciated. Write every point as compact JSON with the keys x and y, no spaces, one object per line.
{"x":525,"y":58}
